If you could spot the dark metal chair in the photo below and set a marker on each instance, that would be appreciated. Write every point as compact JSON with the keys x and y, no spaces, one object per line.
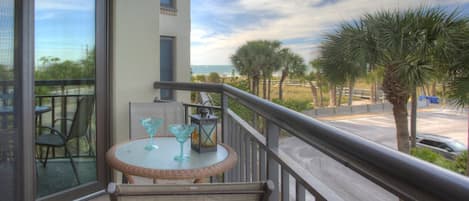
{"x":80,"y":125}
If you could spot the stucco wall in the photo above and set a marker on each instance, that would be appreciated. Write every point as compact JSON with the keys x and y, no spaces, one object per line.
{"x":135,"y":59}
{"x":178,"y":25}
{"x":136,"y":31}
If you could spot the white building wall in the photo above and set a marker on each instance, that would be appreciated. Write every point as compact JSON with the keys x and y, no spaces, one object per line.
{"x":136,"y":30}
{"x":177,"y":23}
{"x":135,"y":59}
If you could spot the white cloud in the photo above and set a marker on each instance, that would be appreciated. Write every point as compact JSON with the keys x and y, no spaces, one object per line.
{"x":299,"y":20}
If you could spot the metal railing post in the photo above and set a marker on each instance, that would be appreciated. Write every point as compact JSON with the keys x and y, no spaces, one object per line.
{"x":224,"y":125}
{"x":272,"y":136}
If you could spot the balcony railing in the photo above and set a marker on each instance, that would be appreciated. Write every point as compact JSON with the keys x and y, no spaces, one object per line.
{"x":62,"y":97}
{"x":260,"y":157}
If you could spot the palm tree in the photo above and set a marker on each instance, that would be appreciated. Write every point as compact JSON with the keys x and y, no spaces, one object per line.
{"x":406,"y":42}
{"x":316,"y":81}
{"x":257,"y":59}
{"x":292,"y":65}
{"x":245,"y":62}
{"x":454,"y":54}
{"x":338,"y":62}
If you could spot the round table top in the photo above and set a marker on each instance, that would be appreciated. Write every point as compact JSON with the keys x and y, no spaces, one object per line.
{"x":131,"y":158}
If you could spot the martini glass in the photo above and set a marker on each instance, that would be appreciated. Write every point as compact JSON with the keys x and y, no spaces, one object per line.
{"x":151,"y":125}
{"x":182,"y":133}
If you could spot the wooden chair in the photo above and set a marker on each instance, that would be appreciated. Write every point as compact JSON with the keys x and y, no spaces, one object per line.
{"x":194,"y":192}
{"x":172,"y":112}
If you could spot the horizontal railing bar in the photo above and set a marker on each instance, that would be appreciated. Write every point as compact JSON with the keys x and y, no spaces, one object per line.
{"x":62,"y":95}
{"x":207,"y":87}
{"x":202,"y":106}
{"x":64,"y":82}
{"x":54,"y":82}
{"x":397,"y":172}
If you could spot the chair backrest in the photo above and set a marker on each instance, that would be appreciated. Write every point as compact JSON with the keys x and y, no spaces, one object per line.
{"x":197,"y":192}
{"x":82,"y":117}
{"x":172,"y":113}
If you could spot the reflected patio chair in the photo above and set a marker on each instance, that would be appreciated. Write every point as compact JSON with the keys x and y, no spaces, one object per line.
{"x":172,"y":112}
{"x":80,"y":125}
{"x":194,"y":192}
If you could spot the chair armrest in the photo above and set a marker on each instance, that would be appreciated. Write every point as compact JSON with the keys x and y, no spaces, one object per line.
{"x":54,"y":131}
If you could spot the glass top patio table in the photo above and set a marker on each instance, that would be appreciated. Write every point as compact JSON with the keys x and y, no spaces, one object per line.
{"x":37,"y":109}
{"x":132,"y":159}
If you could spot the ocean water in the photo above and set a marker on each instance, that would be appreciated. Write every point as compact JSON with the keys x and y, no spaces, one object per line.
{"x":223,"y":70}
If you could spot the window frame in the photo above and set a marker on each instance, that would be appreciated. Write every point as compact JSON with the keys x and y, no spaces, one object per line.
{"x":171,"y":5}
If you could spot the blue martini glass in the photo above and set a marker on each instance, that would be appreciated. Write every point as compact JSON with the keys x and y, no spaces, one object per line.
{"x":182,"y":133}
{"x":151,"y":125}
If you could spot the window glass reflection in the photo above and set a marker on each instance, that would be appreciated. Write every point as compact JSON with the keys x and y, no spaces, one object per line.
{"x":65,"y":94}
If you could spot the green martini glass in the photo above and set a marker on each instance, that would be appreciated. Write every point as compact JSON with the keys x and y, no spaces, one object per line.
{"x":182,"y":133}
{"x":151,"y":125}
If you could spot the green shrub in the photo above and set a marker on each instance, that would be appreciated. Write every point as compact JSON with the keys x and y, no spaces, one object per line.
{"x":214,"y":77}
{"x":297,"y":105}
{"x":459,"y":164}
{"x":425,"y":154}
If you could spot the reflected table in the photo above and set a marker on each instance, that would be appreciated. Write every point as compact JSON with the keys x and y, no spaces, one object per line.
{"x":132,"y":159}
{"x":5,"y":111}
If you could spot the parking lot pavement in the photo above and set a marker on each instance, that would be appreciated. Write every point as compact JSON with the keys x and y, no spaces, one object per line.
{"x":379,"y":128}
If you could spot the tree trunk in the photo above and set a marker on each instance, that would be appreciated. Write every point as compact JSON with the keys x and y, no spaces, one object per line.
{"x":280,"y":85}
{"x":332,"y":95}
{"x":250,"y":84}
{"x":424,"y":91}
{"x":321,"y":97}
{"x":413,"y":118}
{"x":258,"y":83}
{"x":443,"y":95}
{"x":264,"y":87}
{"x":314,"y":92}
{"x":350,"y":93}
{"x":269,"y":87}
{"x":434,"y":88}
{"x":397,"y":93}
{"x":339,"y":100}
{"x":428,"y":90}
{"x":373,"y":93}
{"x":402,"y":132}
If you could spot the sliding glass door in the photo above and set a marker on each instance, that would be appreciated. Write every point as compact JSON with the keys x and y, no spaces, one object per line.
{"x":54,"y":119}
{"x":9,"y":139}
{"x":65,"y":72}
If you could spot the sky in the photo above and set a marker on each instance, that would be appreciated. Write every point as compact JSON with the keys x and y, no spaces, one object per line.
{"x":219,"y":27}
{"x":65,"y":28}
